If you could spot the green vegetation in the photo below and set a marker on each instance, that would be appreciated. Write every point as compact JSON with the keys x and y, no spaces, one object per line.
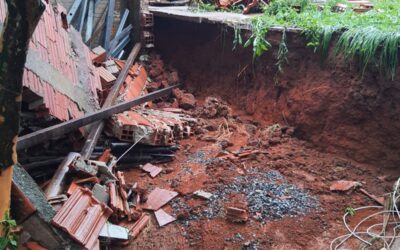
{"x":282,"y":53}
{"x":351,"y":211}
{"x":8,"y":240}
{"x":372,"y":37}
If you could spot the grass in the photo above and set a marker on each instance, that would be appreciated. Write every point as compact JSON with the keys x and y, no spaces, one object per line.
{"x":371,"y":38}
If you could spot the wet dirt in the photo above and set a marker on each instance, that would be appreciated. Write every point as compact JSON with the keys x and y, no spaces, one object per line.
{"x":202,"y":224}
{"x":316,"y":126}
{"x":331,"y":105}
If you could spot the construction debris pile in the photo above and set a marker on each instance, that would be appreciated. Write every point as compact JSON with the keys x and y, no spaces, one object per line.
{"x":97,"y":205}
{"x":96,"y":191}
{"x":114,"y":154}
{"x":87,"y":196}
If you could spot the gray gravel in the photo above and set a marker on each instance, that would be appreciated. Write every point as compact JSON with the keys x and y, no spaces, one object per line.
{"x":200,"y":157}
{"x":269,"y":197}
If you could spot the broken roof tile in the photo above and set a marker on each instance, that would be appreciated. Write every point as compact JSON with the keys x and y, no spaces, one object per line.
{"x":116,"y":201}
{"x":158,"y":198}
{"x":53,"y":45}
{"x":151,"y":169}
{"x":343,"y":185}
{"x":82,"y":217}
{"x":139,"y":225}
{"x":163,"y":218}
{"x":106,"y":77}
{"x":235,"y":214}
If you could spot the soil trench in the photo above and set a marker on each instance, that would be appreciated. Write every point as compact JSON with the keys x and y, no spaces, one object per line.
{"x":313,"y":125}
{"x":333,"y":105}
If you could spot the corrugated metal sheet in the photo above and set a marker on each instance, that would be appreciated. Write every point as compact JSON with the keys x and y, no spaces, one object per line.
{"x":82,"y":217}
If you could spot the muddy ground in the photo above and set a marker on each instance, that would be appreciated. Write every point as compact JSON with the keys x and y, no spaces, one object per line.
{"x":331,"y":105}
{"x":313,"y":125}
{"x":311,"y":223}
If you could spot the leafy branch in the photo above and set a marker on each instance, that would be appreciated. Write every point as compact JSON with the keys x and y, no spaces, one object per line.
{"x":8,"y":239}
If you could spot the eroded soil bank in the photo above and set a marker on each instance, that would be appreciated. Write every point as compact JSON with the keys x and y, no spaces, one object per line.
{"x":333,"y":106}
{"x":333,"y":125}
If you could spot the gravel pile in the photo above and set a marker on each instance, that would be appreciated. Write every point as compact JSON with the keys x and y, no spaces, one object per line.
{"x":200,"y":157}
{"x":268,"y":195}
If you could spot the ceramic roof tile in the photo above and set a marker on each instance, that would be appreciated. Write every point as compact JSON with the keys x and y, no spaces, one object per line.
{"x":82,"y":217}
{"x":53,"y":45}
{"x":163,"y":218}
{"x":105,"y":75}
{"x":158,"y":198}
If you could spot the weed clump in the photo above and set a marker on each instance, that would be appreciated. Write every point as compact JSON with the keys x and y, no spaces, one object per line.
{"x":372,"y":37}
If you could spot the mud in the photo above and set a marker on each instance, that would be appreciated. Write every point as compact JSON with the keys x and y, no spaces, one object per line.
{"x":333,"y":106}
{"x":295,"y":209}
{"x":313,"y":125}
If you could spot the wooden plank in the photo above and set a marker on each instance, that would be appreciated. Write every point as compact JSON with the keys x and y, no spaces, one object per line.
{"x":72,"y":12}
{"x":89,"y":23}
{"x":109,"y":24}
{"x":117,"y":38}
{"x":83,"y":15}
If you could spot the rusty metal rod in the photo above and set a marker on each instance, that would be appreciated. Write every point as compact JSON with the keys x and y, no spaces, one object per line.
{"x":98,"y":127}
{"x":65,"y":127}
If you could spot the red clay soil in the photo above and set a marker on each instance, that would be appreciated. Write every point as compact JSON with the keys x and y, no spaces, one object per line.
{"x":296,"y":160}
{"x":333,"y":125}
{"x":334,"y":106}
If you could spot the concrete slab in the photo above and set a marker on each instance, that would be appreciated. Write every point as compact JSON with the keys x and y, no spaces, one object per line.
{"x":191,"y":14}
{"x":186,"y":13}
{"x":38,"y":225}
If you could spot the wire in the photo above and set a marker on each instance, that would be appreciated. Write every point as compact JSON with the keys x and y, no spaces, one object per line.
{"x":393,"y":220}
{"x":129,"y":149}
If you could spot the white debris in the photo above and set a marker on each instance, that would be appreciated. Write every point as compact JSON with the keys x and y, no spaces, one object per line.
{"x":203,"y":194}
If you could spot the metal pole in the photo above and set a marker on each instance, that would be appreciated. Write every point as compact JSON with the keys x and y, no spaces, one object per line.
{"x":97,"y":128}
{"x":65,"y":127}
